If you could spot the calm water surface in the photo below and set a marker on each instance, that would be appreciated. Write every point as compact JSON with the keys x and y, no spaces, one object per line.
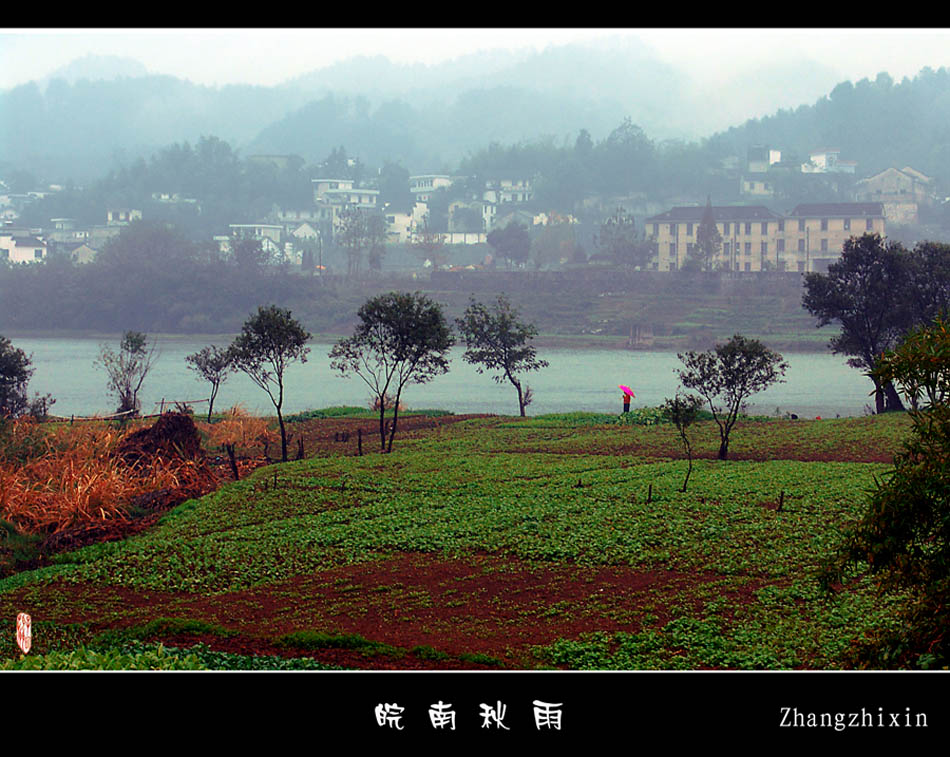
{"x":816,"y":383}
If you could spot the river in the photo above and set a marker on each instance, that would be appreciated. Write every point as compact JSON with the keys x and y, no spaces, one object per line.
{"x":817,"y":384}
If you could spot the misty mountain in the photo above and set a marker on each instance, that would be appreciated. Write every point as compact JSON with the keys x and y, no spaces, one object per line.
{"x":101,"y":113}
{"x":95,"y":68}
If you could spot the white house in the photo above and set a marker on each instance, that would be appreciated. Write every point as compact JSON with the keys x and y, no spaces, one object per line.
{"x":827,"y":161}
{"x":506,"y":189}
{"x":322,"y":186}
{"x":259,"y":231}
{"x":21,"y":249}
{"x":424,"y":185}
{"x":122,"y":216}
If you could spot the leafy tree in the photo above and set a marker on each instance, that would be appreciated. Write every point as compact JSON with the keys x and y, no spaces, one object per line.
{"x":682,"y":411}
{"x":555,"y":242}
{"x":928,"y":292}
{"x":249,"y":255}
{"x":705,"y":252}
{"x":15,"y":372}
{"x":213,"y":364}
{"x":16,"y":369}
{"x":360,"y":232}
{"x":268,"y":343}
{"x":728,"y":375}
{"x":498,"y":341}
{"x":626,"y":160}
{"x":618,"y":239}
{"x":866,"y":291}
{"x":400,"y":339}
{"x":377,"y":232}
{"x":904,"y":537}
{"x":428,"y":244}
{"x":394,"y":190}
{"x":512,"y":242}
{"x":127,"y":369}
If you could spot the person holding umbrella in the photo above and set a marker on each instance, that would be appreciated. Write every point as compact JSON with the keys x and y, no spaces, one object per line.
{"x":627,"y":394}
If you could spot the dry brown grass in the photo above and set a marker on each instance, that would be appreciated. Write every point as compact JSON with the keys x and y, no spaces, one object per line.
{"x":75,"y":477}
{"x":238,"y":429}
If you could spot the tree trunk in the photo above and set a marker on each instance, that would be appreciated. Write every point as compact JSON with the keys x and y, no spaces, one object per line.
{"x":232,"y":460}
{"x":878,"y":399}
{"x":724,"y":448}
{"x":392,"y":430}
{"x":520,"y":397}
{"x":689,"y":457}
{"x":382,"y":424}
{"x":211,"y":403}
{"x":892,"y":400}
{"x":283,"y":437}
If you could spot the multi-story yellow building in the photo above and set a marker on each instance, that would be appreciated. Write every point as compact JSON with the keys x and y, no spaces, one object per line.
{"x":815,"y":233}
{"x":755,"y":238}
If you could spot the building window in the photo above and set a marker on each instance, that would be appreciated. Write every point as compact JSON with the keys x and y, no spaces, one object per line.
{"x":781,"y":225}
{"x":748,"y":266}
{"x":673,"y":250}
{"x":868,"y":225}
{"x":673,"y":229}
{"x":727,"y":249}
{"x":824,"y":224}
{"x":801,"y":225}
{"x":725,"y":228}
{"x":780,"y":245}
{"x":765,"y":248}
{"x":748,"y":228}
{"x":748,"y":248}
{"x":824,"y":245}
{"x":801,"y":245}
{"x":765,"y":228}
{"x":689,"y":229}
{"x":847,"y":224}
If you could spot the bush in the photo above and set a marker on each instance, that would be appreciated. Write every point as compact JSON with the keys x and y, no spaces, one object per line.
{"x":904,"y":538}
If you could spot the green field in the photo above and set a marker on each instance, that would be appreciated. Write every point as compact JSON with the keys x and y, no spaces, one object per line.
{"x":491,"y":543}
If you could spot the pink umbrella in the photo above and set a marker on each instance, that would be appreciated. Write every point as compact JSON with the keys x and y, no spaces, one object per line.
{"x":627,"y":390}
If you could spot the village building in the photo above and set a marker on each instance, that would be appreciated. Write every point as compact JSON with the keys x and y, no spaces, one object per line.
{"x":902,"y":192}
{"x":755,"y":238}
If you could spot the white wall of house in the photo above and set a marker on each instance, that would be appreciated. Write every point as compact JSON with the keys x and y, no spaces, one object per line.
{"x":21,"y":249}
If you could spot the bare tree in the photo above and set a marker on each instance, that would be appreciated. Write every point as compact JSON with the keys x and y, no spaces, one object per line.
{"x":128,"y":368}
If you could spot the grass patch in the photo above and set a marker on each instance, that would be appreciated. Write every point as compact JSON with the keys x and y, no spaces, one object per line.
{"x":354,"y":642}
{"x":352,"y":411}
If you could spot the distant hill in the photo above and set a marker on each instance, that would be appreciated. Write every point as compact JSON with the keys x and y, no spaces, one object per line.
{"x":100,"y":112}
{"x":96,"y":68}
{"x":879,"y":124}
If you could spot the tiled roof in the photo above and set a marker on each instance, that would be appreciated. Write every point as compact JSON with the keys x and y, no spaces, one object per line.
{"x":836,"y":209}
{"x":728,"y":213}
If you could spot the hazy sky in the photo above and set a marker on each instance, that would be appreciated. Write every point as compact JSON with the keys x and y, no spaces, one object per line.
{"x":270,"y":56}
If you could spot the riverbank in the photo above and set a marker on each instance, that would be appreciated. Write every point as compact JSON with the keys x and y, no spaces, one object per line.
{"x":811,"y":342}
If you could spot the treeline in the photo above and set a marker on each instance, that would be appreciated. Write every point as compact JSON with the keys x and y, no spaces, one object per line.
{"x":152,"y":278}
